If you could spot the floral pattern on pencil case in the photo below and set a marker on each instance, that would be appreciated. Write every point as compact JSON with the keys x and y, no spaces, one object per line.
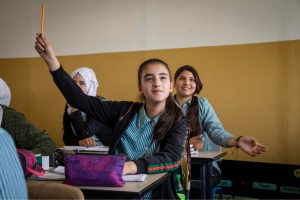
{"x":94,"y":170}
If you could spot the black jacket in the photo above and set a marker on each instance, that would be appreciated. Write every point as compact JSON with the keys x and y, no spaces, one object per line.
{"x":117,"y":115}
{"x":83,"y":129}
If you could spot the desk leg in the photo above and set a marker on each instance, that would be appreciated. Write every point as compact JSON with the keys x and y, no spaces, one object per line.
{"x":209,"y":184}
{"x":203,"y":182}
{"x":206,"y":183}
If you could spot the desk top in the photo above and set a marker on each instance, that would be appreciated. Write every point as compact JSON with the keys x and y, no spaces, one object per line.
{"x":132,"y":187}
{"x":211,"y":155}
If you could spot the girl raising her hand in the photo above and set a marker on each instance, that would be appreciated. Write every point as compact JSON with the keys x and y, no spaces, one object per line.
{"x":151,"y":134}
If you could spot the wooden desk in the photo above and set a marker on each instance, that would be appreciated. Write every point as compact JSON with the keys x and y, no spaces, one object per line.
{"x":131,"y":190}
{"x":203,"y":161}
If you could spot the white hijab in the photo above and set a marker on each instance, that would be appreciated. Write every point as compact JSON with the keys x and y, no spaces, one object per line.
{"x":4,"y":93}
{"x":4,"y":97}
{"x":90,"y":79}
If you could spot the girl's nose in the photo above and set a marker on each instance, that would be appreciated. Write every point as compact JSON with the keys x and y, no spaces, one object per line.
{"x":157,"y":82}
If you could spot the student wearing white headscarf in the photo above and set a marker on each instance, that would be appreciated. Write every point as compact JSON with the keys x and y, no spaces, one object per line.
{"x":25,"y":134}
{"x":4,"y":96}
{"x":4,"y":93}
{"x":80,"y":129}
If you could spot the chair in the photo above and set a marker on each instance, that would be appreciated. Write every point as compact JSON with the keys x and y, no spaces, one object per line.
{"x":49,"y":190}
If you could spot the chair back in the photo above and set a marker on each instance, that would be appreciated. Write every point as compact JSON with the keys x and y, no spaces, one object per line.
{"x":49,"y":190}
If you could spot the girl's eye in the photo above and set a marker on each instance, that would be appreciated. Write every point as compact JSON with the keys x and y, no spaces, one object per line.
{"x":163,"y":77}
{"x":192,"y":80}
{"x":82,"y":83}
{"x":148,"y":79}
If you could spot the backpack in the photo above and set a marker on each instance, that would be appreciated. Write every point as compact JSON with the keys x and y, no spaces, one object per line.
{"x":29,"y":163}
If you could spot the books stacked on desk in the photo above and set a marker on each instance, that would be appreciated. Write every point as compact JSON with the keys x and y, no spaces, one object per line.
{"x":81,"y":149}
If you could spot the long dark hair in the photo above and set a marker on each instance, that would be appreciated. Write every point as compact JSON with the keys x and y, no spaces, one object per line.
{"x":171,"y":113}
{"x":193,"y":110}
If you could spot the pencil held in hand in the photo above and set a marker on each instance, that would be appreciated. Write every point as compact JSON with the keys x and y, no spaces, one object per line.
{"x":42,"y":17}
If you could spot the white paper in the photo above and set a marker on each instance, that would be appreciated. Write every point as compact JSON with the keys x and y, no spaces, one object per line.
{"x":193,"y":151}
{"x":81,"y":148}
{"x":59,"y":170}
{"x":52,"y":176}
{"x":135,"y":178}
{"x":45,"y":162}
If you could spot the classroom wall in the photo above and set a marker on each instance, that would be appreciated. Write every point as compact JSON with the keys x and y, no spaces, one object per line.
{"x":250,"y":68}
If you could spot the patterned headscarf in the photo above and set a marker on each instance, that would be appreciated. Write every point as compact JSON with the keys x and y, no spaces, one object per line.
{"x":90,"y":79}
{"x":4,"y":93}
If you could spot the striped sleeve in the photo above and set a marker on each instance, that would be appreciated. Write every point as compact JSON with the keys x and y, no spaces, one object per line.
{"x":169,"y":166}
{"x":171,"y":152}
{"x":12,"y":181}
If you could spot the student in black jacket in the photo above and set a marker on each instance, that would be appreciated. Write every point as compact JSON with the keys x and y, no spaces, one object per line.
{"x":80,"y":128}
{"x":151,"y":134}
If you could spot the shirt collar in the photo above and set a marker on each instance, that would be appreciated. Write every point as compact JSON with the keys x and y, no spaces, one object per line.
{"x":188,"y":102}
{"x":185,"y":106}
{"x":144,"y":119}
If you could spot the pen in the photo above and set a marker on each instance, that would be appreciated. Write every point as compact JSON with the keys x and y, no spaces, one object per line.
{"x":42,"y":17}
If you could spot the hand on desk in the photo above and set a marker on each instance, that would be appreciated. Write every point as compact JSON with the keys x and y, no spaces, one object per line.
{"x":129,"y":168}
{"x":251,"y":146}
{"x":87,"y":142}
{"x":197,"y":142}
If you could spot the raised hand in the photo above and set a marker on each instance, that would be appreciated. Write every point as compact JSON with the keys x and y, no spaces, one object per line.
{"x":45,"y":50}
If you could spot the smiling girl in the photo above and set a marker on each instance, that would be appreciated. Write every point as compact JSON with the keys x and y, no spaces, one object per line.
{"x":206,"y":128}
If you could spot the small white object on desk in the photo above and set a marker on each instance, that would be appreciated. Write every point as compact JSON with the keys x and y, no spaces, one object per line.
{"x":45,"y":162}
{"x":57,"y":174}
{"x":135,"y":178}
{"x":192,"y":150}
{"x":59,"y":170}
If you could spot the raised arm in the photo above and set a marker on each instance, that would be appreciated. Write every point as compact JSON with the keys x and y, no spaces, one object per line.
{"x":44,"y":48}
{"x":220,"y":136}
{"x":93,"y":106}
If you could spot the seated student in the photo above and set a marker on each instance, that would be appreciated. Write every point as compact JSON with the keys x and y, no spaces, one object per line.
{"x":151,"y":134}
{"x":80,"y":128}
{"x":25,"y":134}
{"x":12,"y":180}
{"x":204,"y":122}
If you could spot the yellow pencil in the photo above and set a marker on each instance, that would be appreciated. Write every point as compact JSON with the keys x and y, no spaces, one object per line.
{"x":42,"y":17}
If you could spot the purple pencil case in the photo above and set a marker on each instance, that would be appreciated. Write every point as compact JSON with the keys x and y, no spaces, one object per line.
{"x":94,"y":170}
